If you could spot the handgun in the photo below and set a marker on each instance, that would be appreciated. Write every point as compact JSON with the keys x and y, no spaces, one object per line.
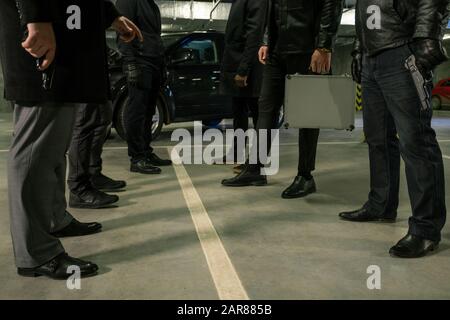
{"x":420,"y":82}
{"x":47,"y":75}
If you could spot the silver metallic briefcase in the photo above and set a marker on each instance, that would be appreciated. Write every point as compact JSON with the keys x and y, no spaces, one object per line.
{"x":325,"y":102}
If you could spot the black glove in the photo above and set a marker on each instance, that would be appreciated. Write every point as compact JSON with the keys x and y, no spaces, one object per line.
{"x":429,"y":54}
{"x":134,"y":74}
{"x":357,"y":66}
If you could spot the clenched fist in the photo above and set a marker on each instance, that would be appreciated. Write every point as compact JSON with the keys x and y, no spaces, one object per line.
{"x":263,"y":54}
{"x":41,"y":43}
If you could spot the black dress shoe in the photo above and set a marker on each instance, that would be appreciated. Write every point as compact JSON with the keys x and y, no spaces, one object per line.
{"x":144,"y":167}
{"x":92,"y":199}
{"x":248,"y":177}
{"x":364,"y":215}
{"x":104,"y":183}
{"x":58,"y":267}
{"x":413,"y":247}
{"x":300,"y":188}
{"x":78,"y":229}
{"x":157,"y":161}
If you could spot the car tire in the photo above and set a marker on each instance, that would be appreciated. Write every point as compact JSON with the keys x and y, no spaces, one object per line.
{"x":436,"y":103}
{"x":119,"y":122}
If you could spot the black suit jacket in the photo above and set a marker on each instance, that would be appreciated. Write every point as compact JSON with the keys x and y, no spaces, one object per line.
{"x":245,"y":29}
{"x":80,"y":66}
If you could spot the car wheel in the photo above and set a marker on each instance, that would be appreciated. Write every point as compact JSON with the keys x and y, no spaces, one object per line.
{"x":156,"y":126}
{"x":158,"y":120}
{"x":436,"y":103}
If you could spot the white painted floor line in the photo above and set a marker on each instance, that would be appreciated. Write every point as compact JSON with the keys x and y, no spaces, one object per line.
{"x":446,"y":157}
{"x":225,"y":277}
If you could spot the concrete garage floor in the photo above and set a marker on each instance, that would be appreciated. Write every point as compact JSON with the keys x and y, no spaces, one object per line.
{"x":264,"y":248}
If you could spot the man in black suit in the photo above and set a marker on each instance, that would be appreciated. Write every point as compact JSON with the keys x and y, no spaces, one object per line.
{"x":144,"y":68}
{"x":46,"y":46}
{"x":241,"y":70}
{"x":299,"y":38}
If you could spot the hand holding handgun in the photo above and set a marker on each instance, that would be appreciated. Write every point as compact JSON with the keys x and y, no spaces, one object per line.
{"x":40,"y":43}
{"x":429,"y":54}
{"x":42,"y":47}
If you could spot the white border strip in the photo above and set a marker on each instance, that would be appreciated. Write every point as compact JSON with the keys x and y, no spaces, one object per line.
{"x":224,"y":275}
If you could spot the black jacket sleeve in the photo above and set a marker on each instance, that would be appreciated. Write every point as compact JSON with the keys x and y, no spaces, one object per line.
{"x":111,"y":13}
{"x":265,"y":24}
{"x":127,"y":8}
{"x":357,"y":47}
{"x":329,"y":23}
{"x":254,"y":22}
{"x":37,"y":10}
{"x":432,"y":19}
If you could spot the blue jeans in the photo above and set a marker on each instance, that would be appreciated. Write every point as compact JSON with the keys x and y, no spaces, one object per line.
{"x":392,"y":106}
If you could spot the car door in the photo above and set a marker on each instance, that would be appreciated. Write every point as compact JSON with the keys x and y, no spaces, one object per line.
{"x":195,"y":76}
{"x":445,"y":92}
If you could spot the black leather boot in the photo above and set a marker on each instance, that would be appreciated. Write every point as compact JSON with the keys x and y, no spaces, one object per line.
{"x":250,"y":176}
{"x":300,"y":188}
{"x":144,"y":167}
{"x":104,"y":183}
{"x":58,"y":267}
{"x":158,"y":162}
{"x":78,"y":229}
{"x":413,"y":247}
{"x":92,"y":199}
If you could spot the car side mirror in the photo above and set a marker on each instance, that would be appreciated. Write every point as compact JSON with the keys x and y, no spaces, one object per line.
{"x":183,"y":56}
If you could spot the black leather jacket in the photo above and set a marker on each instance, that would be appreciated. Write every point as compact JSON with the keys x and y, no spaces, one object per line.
{"x":301,"y":26}
{"x":146,"y":15}
{"x":385,"y":24}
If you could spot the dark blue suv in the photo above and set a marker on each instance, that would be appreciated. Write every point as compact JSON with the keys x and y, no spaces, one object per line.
{"x":191,"y":92}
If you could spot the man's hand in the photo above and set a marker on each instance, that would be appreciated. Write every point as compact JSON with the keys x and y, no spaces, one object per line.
{"x":127,"y":30}
{"x":41,"y":43}
{"x":263,"y":54}
{"x":241,"y":81}
{"x":429,"y":54}
{"x":321,"y":62}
